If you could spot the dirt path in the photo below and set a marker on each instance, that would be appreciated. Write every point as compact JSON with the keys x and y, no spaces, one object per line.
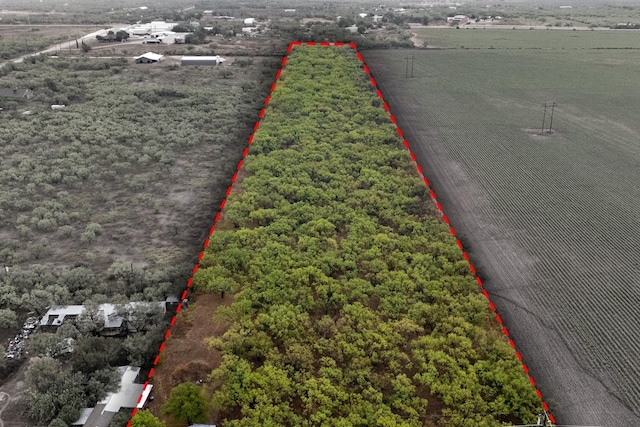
{"x":416,"y":41}
{"x":186,"y":357}
{"x":4,"y":401}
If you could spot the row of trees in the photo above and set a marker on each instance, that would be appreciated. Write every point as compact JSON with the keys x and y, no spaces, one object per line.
{"x":353,"y":304}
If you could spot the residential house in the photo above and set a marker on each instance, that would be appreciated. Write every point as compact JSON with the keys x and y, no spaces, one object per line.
{"x":131,"y":394}
{"x":108,"y":317}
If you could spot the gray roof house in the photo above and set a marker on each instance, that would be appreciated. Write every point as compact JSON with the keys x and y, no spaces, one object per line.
{"x":107,"y":315}
{"x":130,"y":395}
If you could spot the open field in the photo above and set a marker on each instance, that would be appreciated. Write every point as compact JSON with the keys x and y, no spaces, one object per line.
{"x":551,"y":221}
{"x":539,"y":39}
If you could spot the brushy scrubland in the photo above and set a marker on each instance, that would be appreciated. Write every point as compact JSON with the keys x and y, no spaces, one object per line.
{"x":353,"y":304}
{"x":108,"y":200}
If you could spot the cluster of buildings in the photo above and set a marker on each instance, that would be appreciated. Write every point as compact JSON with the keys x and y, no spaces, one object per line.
{"x":112,"y":319}
{"x":109,"y":319}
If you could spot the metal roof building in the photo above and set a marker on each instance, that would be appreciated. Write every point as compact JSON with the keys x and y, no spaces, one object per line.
{"x":202,"y":60}
{"x":148,"y":58}
{"x":129,"y":395}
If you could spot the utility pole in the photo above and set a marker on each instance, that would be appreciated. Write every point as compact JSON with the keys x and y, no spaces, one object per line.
{"x":412,"y":66}
{"x":544,"y":116}
{"x":553,"y":107}
{"x":406,"y":68}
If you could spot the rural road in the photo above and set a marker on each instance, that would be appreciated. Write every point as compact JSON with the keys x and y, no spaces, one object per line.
{"x":62,"y":46}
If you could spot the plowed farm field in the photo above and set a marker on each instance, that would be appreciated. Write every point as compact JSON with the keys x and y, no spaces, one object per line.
{"x":552,"y":221}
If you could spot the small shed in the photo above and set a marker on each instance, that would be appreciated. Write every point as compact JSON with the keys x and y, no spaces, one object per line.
{"x":250,"y":21}
{"x":202,"y":60}
{"x":148,"y":58}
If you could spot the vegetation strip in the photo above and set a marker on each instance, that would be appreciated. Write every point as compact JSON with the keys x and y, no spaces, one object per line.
{"x":500,"y":395}
{"x":459,"y":243}
{"x":200,"y":256}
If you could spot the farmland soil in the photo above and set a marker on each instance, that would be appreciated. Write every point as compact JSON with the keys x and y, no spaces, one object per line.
{"x":551,"y":224}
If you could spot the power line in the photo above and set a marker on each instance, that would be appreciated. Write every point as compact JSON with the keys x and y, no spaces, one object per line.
{"x":553,"y":107}
{"x":406,"y":68}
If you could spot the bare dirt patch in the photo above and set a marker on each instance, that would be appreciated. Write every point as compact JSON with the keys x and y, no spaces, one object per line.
{"x":186,"y":357}
{"x":538,"y":135}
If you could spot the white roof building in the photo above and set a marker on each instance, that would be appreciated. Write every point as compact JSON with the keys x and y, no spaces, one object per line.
{"x":126,"y":397}
{"x":249,"y":21}
{"x":202,"y":60}
{"x":148,"y":58}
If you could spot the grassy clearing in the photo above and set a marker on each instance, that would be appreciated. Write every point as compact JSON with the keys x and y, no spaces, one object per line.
{"x":552,"y":219}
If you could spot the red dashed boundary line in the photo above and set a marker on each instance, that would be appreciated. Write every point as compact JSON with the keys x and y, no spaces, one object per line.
{"x":426,"y":182}
{"x":453,"y":233}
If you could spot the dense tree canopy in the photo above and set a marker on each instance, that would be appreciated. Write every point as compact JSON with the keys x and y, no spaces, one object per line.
{"x":355,"y":305}
{"x":187,"y":403}
{"x":145,"y":418}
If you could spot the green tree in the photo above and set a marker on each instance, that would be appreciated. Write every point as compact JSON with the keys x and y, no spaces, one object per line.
{"x":48,"y":344}
{"x":53,"y":392}
{"x":58,"y":422}
{"x":8,"y":318}
{"x":122,"y":36}
{"x":187,"y":403}
{"x":145,"y":418}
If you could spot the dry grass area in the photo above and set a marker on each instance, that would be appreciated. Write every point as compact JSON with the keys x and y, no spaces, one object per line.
{"x":56,"y":32}
{"x":186,"y":357}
